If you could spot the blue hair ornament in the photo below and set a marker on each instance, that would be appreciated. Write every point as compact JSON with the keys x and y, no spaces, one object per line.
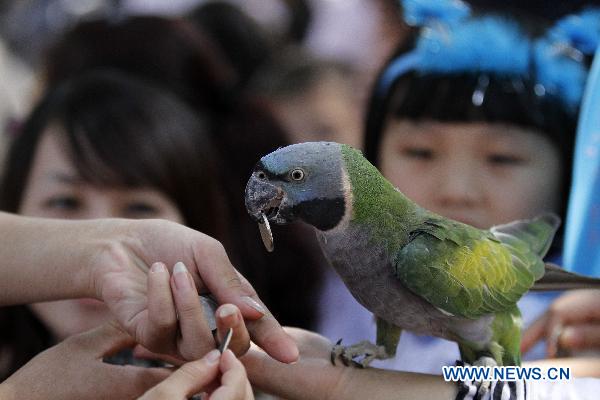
{"x":426,"y":12}
{"x":559,"y":55}
{"x":579,"y":31}
{"x":560,"y":74}
{"x":480,"y":44}
{"x":452,"y":42}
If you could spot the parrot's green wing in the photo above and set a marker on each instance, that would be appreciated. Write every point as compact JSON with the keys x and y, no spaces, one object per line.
{"x":465,"y":271}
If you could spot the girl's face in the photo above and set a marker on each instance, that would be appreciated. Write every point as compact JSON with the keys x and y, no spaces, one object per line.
{"x":478,"y":173}
{"x":55,"y":190}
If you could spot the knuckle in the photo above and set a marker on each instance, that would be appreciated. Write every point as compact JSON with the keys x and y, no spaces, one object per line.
{"x":191,"y":371}
{"x":163,"y":328}
{"x":209,"y":247}
{"x":241,"y":347}
{"x":235,"y":282}
{"x":190,"y":308}
{"x":246,"y":285}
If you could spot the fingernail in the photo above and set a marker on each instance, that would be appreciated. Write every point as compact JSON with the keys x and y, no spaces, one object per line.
{"x":179,"y":267}
{"x":182,"y":282}
{"x":227,"y":310}
{"x":157,"y":267}
{"x":254,"y":304}
{"x":212,"y":357}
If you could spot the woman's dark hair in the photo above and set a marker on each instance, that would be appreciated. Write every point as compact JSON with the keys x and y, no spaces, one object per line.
{"x":242,"y":40}
{"x":170,"y":53}
{"x":123,"y":132}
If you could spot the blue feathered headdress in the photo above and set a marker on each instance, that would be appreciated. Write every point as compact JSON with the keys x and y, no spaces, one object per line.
{"x":452,"y":41}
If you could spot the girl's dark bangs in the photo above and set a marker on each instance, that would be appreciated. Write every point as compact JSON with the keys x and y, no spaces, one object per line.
{"x":482,"y":98}
{"x":463,"y":98}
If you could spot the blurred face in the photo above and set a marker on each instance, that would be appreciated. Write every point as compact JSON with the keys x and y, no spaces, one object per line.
{"x":325,"y":112}
{"x":478,"y":173}
{"x":54,"y":190}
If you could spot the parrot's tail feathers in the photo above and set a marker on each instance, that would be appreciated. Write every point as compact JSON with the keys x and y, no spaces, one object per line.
{"x":556,"y":278}
{"x":538,"y":232}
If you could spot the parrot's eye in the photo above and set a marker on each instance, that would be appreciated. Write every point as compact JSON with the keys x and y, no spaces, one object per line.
{"x":261,"y":175}
{"x":297,"y":174}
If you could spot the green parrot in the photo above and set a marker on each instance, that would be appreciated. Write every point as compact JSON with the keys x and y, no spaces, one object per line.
{"x":411,"y":268}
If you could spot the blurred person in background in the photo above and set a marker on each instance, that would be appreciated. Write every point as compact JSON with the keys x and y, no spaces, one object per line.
{"x":312,"y":98}
{"x":174,"y":55}
{"x":246,"y":44}
{"x":16,"y":93}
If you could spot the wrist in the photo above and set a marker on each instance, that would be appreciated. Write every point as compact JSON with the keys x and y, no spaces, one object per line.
{"x":107,"y":253}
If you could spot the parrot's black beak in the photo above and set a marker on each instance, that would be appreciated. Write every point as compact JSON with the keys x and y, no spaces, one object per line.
{"x":262,"y":197}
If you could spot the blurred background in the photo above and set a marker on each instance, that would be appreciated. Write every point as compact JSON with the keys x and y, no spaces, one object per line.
{"x":311,"y":60}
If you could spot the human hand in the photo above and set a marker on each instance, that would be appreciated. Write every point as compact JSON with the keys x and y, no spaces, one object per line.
{"x":73,"y":369}
{"x":311,"y":377}
{"x":227,"y":317}
{"x":571,"y":323}
{"x":119,"y":267}
{"x":203,"y":376}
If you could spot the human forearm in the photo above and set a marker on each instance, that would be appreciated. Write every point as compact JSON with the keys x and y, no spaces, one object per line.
{"x":314,"y":377}
{"x":316,"y":383}
{"x":47,"y":259}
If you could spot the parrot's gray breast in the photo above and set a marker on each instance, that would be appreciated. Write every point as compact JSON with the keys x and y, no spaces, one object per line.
{"x":366,"y":270}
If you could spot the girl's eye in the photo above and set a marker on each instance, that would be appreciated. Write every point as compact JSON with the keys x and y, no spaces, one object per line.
{"x":504,"y":159}
{"x":421,"y":153}
{"x":140,"y":208}
{"x":62,"y":203}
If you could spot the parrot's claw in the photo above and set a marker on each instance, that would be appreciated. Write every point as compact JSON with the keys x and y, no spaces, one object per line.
{"x":358,"y":355}
{"x":484,"y":361}
{"x":335,"y":353}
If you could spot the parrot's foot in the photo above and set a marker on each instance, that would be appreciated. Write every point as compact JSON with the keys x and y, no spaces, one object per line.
{"x":485,"y":361}
{"x":360,"y":354}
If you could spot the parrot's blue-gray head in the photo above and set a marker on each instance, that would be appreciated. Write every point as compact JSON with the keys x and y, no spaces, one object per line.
{"x":302,"y":181}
